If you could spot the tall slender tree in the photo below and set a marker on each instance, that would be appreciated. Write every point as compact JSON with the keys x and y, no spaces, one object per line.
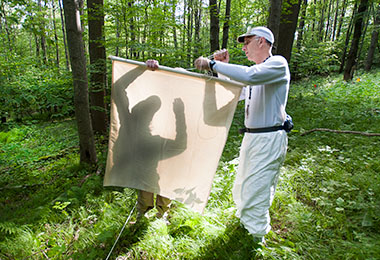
{"x":214,"y":25}
{"x":98,"y":71}
{"x":79,"y":72}
{"x":226,"y":25}
{"x":288,"y":25}
{"x":42,"y":35}
{"x":322,"y":19}
{"x":352,"y":55}
{"x":64,"y":35}
{"x":4,"y":16}
{"x":328,"y":21}
{"x":55,"y":35}
{"x":335,"y":20}
{"x":274,"y":19}
{"x":374,"y":40}
{"x":301,"y":26}
{"x":343,"y":12}
{"x":348,"y":36}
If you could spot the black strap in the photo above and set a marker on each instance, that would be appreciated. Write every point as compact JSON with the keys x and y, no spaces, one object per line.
{"x":261,"y":130}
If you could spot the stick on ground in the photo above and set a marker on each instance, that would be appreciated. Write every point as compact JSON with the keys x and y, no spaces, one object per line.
{"x":340,"y":132}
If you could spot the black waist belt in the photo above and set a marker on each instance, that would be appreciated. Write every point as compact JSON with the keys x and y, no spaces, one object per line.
{"x":261,"y":130}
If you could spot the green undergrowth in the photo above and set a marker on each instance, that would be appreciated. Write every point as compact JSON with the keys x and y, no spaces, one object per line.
{"x":327,"y":204}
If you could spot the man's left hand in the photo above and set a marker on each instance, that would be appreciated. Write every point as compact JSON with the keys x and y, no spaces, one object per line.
{"x":202,"y":63}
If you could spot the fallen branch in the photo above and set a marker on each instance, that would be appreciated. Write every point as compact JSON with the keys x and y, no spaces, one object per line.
{"x":340,"y":132}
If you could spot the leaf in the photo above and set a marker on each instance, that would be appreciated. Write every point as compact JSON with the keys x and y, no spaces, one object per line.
{"x":367,"y":220}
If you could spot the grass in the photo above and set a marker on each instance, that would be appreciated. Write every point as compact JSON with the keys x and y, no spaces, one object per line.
{"x":327,"y":204}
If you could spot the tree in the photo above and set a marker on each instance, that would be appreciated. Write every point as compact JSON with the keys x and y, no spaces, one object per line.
{"x":322,"y":20}
{"x":98,"y":71}
{"x":64,"y":35}
{"x":274,"y":19}
{"x":352,"y":55}
{"x":288,"y":25}
{"x":301,"y":24}
{"x":55,"y":35}
{"x":342,"y":18}
{"x":3,"y":15}
{"x":335,"y":20}
{"x":79,"y":73}
{"x":214,"y":26}
{"x":42,"y":36}
{"x":226,"y":24}
{"x":328,"y":21}
{"x":374,"y":40}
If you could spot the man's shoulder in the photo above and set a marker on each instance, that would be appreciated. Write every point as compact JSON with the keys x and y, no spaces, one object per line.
{"x":278,"y":58}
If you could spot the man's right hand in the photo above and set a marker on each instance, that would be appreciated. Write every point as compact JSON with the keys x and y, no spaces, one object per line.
{"x":152,"y":64}
{"x":222,"y":55}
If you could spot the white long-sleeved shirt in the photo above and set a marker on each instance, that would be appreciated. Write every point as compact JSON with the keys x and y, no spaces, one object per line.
{"x":267,"y":91}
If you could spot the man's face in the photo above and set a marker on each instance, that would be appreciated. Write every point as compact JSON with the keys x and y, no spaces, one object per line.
{"x":251,"y":47}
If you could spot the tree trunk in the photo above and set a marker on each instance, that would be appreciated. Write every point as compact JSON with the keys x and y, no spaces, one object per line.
{"x":6,"y":26}
{"x":78,"y":64}
{"x":64,"y":35}
{"x":328,"y":21}
{"x":374,"y":40}
{"x":301,"y":25}
{"x":174,"y":27}
{"x":132,"y":51}
{"x":322,"y":21}
{"x":341,"y":18}
{"x":226,"y":25}
{"x":117,"y":36}
{"x":197,"y":27}
{"x":288,"y":25}
{"x":55,"y":35}
{"x":367,"y":18}
{"x":42,"y":36}
{"x":189,"y":28}
{"x":348,"y":35}
{"x":98,"y":72}
{"x":274,"y":20}
{"x":352,"y":55}
{"x":335,"y":20}
{"x":214,"y":26}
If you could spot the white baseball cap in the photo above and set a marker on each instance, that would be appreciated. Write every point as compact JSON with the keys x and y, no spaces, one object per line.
{"x":258,"y":31}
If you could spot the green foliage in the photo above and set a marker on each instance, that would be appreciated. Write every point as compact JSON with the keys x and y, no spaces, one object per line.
{"x":326,"y":205}
{"x":315,"y":59}
{"x":28,"y":91}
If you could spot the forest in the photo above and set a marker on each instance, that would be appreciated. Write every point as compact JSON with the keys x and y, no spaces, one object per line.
{"x":55,"y":87}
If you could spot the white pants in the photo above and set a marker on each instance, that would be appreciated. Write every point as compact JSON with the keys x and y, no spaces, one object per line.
{"x":261,"y":157}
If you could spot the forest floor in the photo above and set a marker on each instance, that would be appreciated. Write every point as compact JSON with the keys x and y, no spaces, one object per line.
{"x":327,"y":204}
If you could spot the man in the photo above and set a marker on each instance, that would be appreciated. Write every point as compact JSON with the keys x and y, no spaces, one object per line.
{"x":265,"y":142}
{"x":145,"y":199}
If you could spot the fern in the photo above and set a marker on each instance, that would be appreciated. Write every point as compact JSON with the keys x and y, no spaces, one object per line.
{"x":9,"y":228}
